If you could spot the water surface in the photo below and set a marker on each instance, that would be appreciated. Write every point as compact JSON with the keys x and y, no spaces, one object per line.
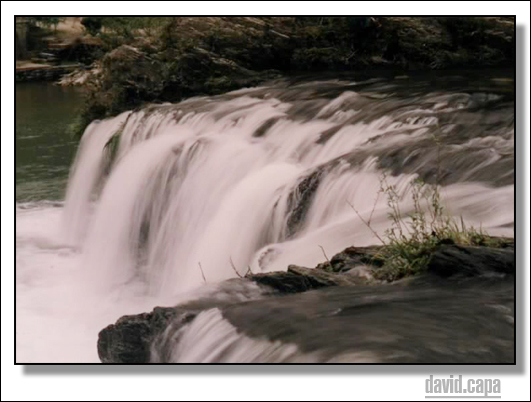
{"x":43,"y":147}
{"x":255,"y":179}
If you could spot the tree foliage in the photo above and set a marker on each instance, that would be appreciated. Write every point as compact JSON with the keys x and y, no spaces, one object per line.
{"x":44,"y":22}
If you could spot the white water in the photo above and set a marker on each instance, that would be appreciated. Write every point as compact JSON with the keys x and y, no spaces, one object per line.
{"x":192,"y":187}
{"x":86,"y":172}
{"x":211,"y":339}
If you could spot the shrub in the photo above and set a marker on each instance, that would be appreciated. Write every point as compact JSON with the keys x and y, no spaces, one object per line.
{"x":412,"y":239}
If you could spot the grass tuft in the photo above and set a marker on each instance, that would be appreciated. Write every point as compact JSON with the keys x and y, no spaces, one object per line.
{"x":412,"y":238}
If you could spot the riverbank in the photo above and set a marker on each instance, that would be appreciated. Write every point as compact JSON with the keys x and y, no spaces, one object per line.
{"x":25,"y":72}
{"x":456,"y":275}
{"x":47,"y":48}
{"x":172,"y":58}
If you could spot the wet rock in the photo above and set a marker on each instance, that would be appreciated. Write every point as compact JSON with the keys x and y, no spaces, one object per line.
{"x":300,"y":200}
{"x":354,"y":266}
{"x":352,"y":257}
{"x":450,"y":260}
{"x":361,"y":274}
{"x":132,"y":339}
{"x":301,"y":279}
{"x":327,"y":134}
{"x":260,"y":131}
{"x":422,"y":322}
{"x":283,"y":282}
{"x":129,"y":339}
{"x":319,"y":278}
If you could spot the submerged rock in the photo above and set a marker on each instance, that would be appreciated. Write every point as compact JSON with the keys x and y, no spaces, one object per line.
{"x":424,"y":320}
{"x":130,"y":339}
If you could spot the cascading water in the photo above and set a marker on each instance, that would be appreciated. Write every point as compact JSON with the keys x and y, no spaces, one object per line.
{"x":261,"y":178}
{"x":88,"y":170}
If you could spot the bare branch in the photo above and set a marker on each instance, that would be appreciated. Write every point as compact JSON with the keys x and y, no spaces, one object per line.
{"x":202,"y":273}
{"x":373,"y":207}
{"x":234,"y":268}
{"x":329,"y":263}
{"x":249,"y":271}
{"x":365,"y":222}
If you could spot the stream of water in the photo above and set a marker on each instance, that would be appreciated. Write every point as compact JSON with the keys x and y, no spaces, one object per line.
{"x":257,"y":179}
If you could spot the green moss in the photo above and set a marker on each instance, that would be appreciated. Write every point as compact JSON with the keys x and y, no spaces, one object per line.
{"x":75,"y":130}
{"x":111,"y":147}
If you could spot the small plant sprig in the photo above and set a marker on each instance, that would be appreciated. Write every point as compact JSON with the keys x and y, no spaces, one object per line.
{"x":407,"y":246}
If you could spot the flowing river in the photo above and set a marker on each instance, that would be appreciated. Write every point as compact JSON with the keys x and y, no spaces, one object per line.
{"x":161,"y":200}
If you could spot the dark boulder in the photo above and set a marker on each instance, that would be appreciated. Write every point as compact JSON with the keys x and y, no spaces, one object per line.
{"x":300,"y":200}
{"x":352,"y":257}
{"x":283,"y":282}
{"x":129,"y":339}
{"x":301,"y":279}
{"x":319,"y":278}
{"x":450,"y":260}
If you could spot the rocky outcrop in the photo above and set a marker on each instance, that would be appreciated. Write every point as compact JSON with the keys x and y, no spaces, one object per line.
{"x":301,"y":279}
{"x":131,"y":338}
{"x":186,"y":56}
{"x":456,"y":260}
{"x":354,"y":267}
{"x":81,"y":76}
{"x":353,"y":257}
{"x":127,"y":341}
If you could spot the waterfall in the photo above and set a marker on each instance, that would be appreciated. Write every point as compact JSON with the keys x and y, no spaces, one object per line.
{"x":86,"y":171}
{"x":165,"y":198}
{"x":259,"y":179}
{"x":210,"y":339}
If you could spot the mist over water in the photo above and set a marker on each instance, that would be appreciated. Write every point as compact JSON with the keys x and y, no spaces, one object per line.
{"x":256,"y":179}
